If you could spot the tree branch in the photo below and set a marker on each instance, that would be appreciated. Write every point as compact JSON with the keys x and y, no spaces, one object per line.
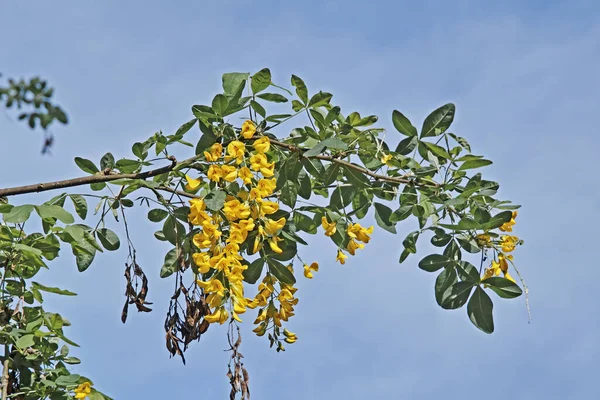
{"x":394,"y":179}
{"x":103,"y":176}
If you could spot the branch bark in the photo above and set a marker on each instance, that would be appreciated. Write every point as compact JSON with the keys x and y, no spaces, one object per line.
{"x":96,"y":178}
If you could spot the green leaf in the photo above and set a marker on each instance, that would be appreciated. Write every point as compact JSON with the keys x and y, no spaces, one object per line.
{"x":341,"y":197}
{"x":456,"y":295}
{"x":108,"y":238}
{"x":301,"y":89}
{"x":497,"y":220}
{"x":289,"y":193}
{"x":274,"y":97}
{"x":453,"y":251}
{"x":107,"y":161}
{"x":127,"y":166}
{"x":139,"y":150}
{"x":407,"y":145}
{"x":67,"y":380}
{"x":503,"y":287}
{"x":281,"y":272}
{"x":220,"y":104}
{"x":261,"y":80}
{"x":215,"y":200}
{"x":183,"y":129}
{"x":55,"y":290}
{"x":470,"y":245}
{"x":474,"y":164}
{"x":232,"y":81}
{"x":481,"y":215}
{"x":410,"y":242}
{"x":402,"y":124}
{"x":86,"y":165}
{"x":254,"y":271}
{"x":320,"y":99}
{"x":467,"y":272}
{"x":437,"y":150}
{"x":173,"y":230}
{"x":480,"y":309}
{"x":444,"y":280}
{"x":331,"y":173}
{"x":18,"y":214}
{"x":356,"y":178}
{"x":207,"y":139}
{"x":438,"y":121}
{"x":170,"y":264}
{"x":434,"y":262}
{"x":80,"y":203}
{"x":157,"y":215}
{"x":48,"y":212}
{"x":258,"y":108}
{"x":25,"y":341}
{"x":305,"y":188}
{"x":297,"y":106}
{"x":401,"y":213}
{"x":382,"y":216}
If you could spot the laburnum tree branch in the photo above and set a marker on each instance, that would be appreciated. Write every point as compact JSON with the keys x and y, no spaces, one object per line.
{"x":109,"y":175}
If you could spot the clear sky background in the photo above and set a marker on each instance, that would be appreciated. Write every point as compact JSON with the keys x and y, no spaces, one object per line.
{"x":523,"y":75}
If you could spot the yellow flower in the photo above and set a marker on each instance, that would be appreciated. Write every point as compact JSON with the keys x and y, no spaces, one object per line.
{"x":507,"y":226}
{"x":235,"y":210}
{"x":341,"y":257}
{"x":192,"y":184}
{"x":248,"y":129}
{"x":386,"y":158}
{"x":508,"y":243}
{"x":262,"y":145}
{"x":259,"y":161}
{"x":257,"y":244}
{"x":215,"y":152}
{"x":497,"y":267}
{"x":356,"y":231}
{"x":268,"y":171}
{"x":214,"y":173}
{"x":290,"y":337}
{"x":272,"y":226}
{"x":309,"y":268}
{"x":483,"y":240}
{"x":353,"y":245}
{"x":260,"y":329}
{"x":197,"y":215}
{"x":330,"y":227}
{"x":202,"y":261}
{"x":245,"y":175}
{"x":220,"y":315}
{"x":229,"y":173}
{"x":267,"y":207}
{"x":82,"y":391}
{"x":236,"y":150}
{"x":274,"y":246}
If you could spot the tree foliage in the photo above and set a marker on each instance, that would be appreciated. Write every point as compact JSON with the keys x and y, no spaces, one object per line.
{"x":237,"y":212}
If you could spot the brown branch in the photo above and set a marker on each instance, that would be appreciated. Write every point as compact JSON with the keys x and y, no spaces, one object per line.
{"x":5,"y":374}
{"x":394,"y":179}
{"x":103,"y":176}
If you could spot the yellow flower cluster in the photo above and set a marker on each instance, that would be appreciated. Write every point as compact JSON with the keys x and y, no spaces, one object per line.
{"x":355,"y":232}
{"x":269,"y":312}
{"x":507,"y":244}
{"x":224,"y":234}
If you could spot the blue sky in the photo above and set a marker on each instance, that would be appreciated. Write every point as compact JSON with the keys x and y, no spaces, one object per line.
{"x":523,"y":76}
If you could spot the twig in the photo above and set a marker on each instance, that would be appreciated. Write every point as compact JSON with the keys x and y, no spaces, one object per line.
{"x":5,"y":374}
